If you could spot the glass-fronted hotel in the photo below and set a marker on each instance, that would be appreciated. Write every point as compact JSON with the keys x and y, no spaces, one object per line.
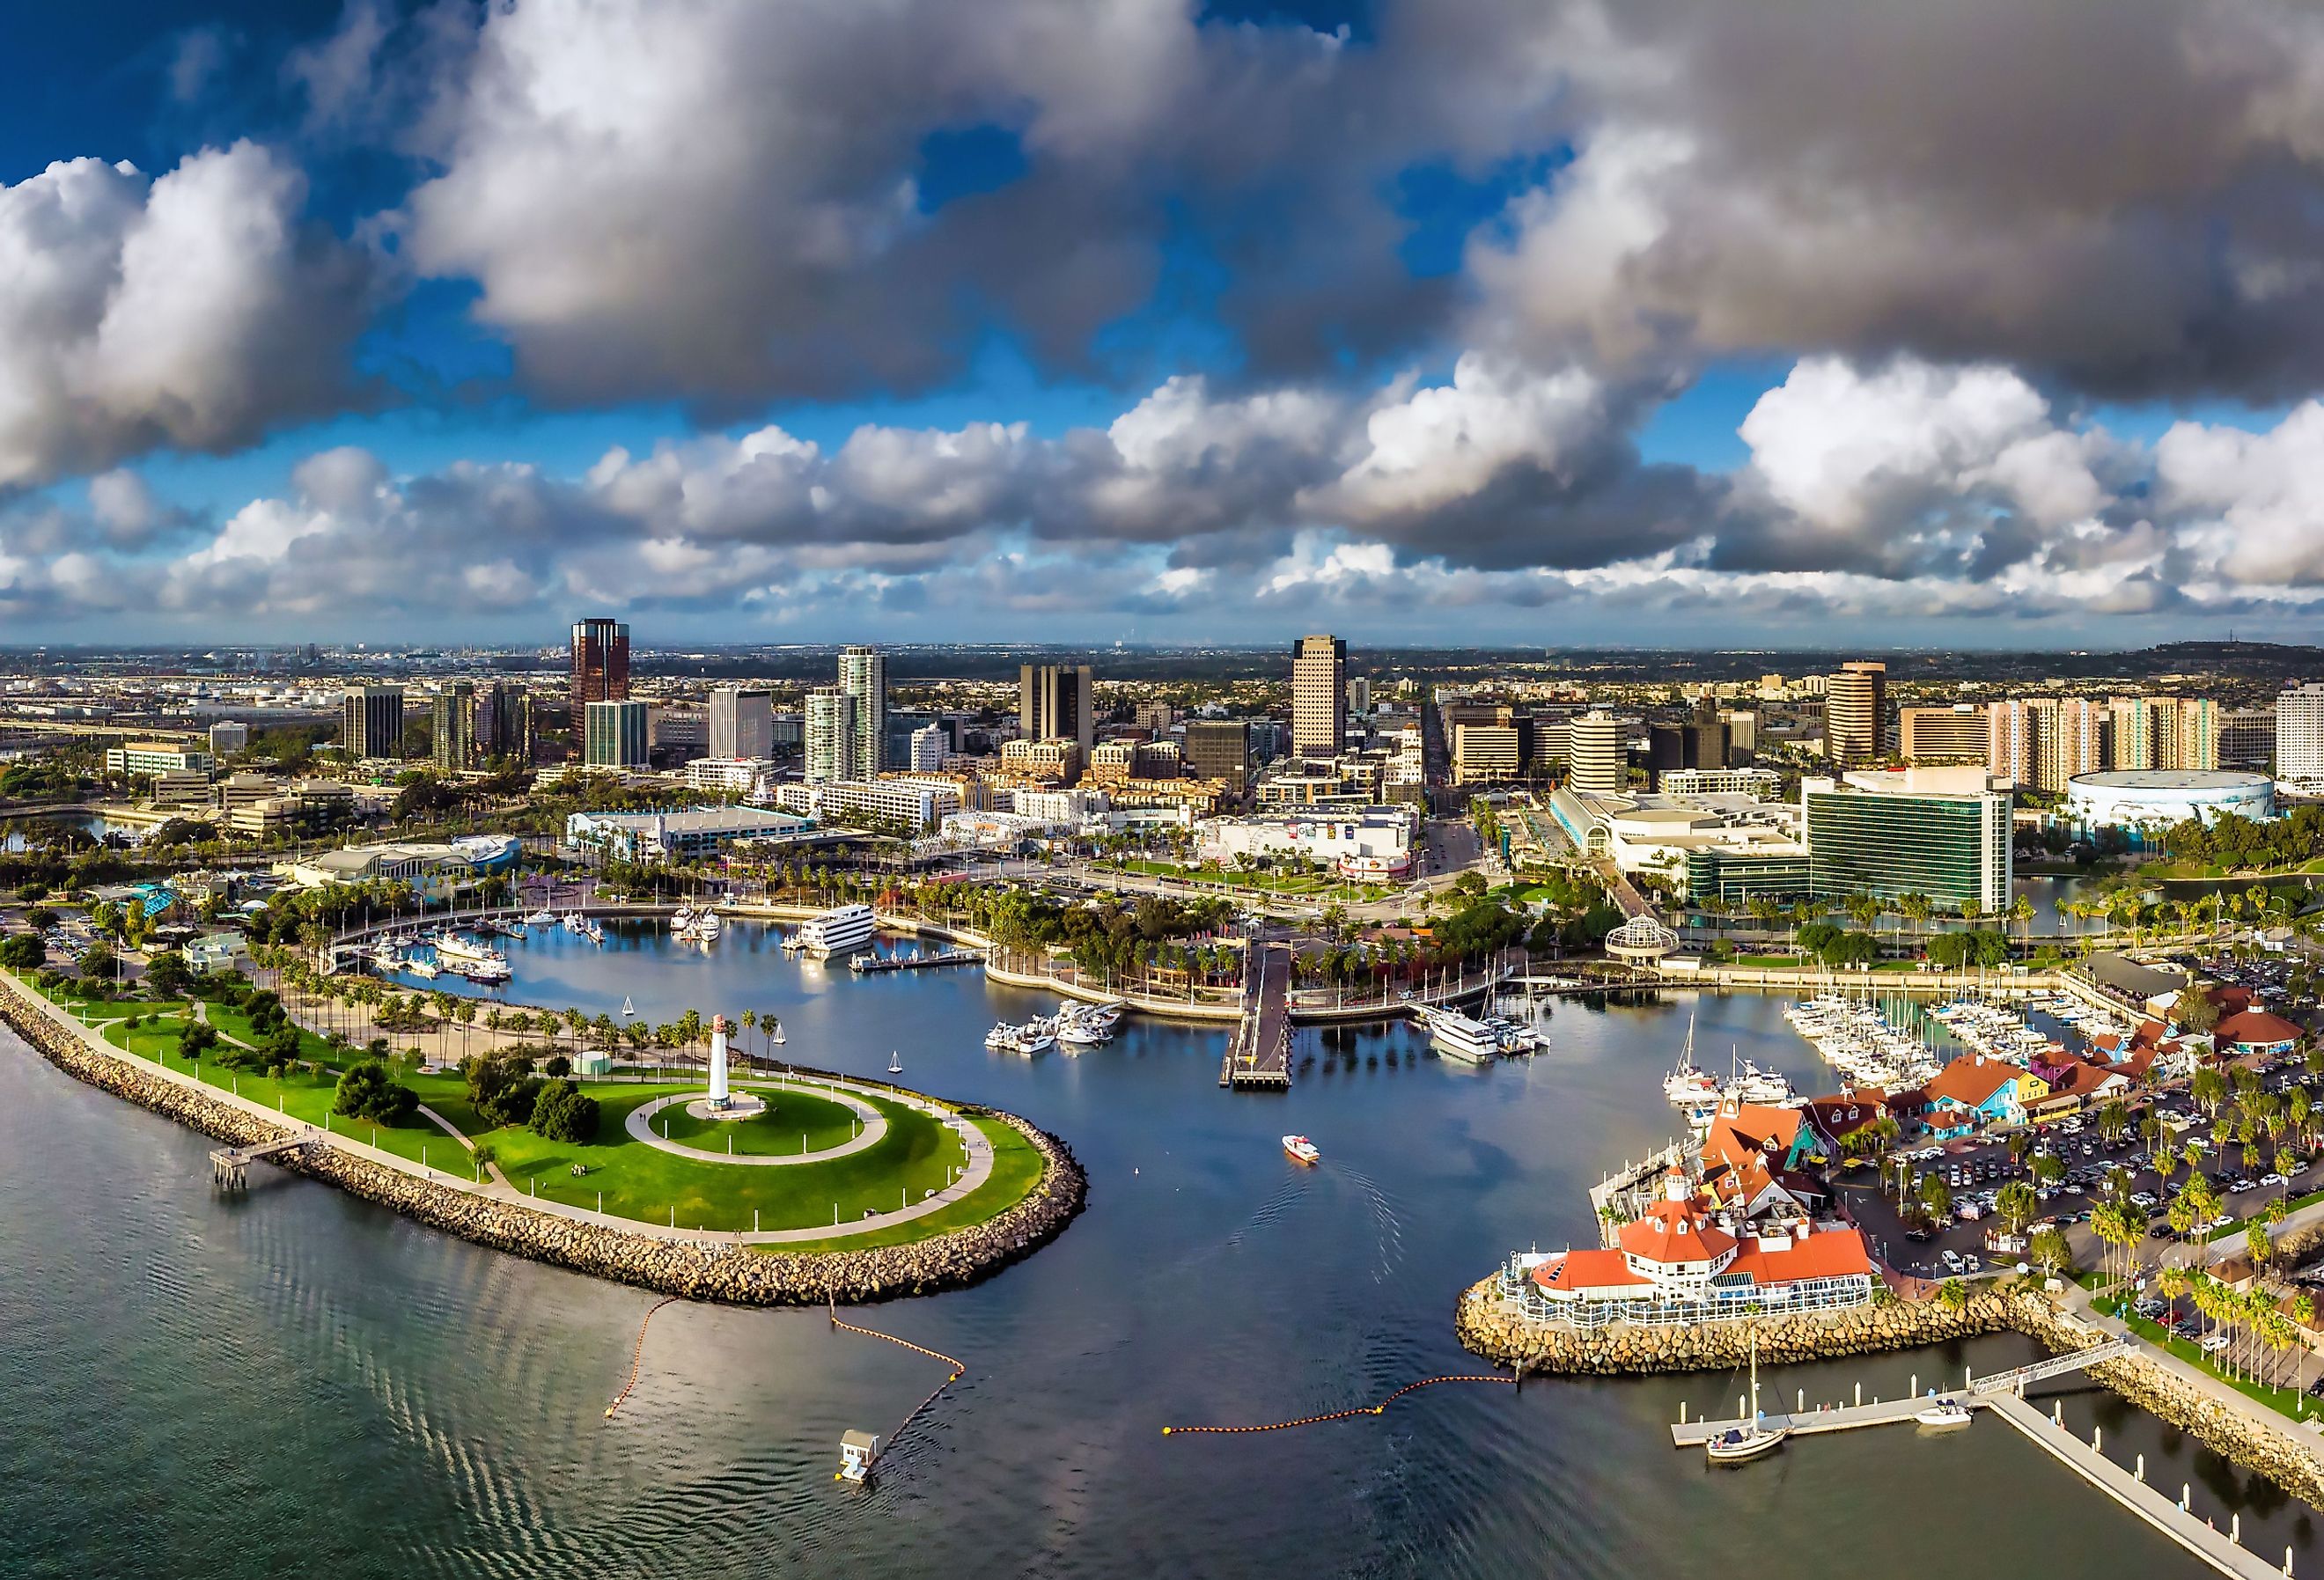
{"x":1891,"y":840}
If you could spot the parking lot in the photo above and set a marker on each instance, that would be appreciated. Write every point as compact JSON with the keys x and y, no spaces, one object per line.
{"x":1974,"y":1171}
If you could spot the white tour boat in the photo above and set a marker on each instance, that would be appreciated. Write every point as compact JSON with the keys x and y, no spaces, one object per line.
{"x":1457,"y":1036}
{"x":836,"y":932}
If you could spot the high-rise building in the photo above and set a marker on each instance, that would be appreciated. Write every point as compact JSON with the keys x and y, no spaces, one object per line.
{"x":742,"y":723}
{"x":1319,"y":696}
{"x":1484,"y":753}
{"x":2299,"y":735}
{"x":2130,"y":734}
{"x":863,"y":675}
{"x":1155,"y":717}
{"x":1219,"y":748}
{"x":2247,"y":738}
{"x":1360,"y":696}
{"x":505,"y":722}
{"x":601,"y":670}
{"x":2186,"y":733}
{"x":617,"y":734}
{"x":931,"y":743}
{"x":1742,"y":737}
{"x":454,"y":743}
{"x":1596,"y":763}
{"x":831,"y":749}
{"x":371,"y":721}
{"x":229,"y":737}
{"x":1057,"y":702}
{"x":1939,"y":832}
{"x":1959,"y":733}
{"x":1855,"y":707}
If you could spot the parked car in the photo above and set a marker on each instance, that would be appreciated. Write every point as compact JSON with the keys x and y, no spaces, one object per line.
{"x":2215,"y":1344}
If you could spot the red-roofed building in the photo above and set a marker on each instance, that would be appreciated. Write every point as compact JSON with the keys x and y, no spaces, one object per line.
{"x":2254,"y":1031}
{"x":1674,"y":1263}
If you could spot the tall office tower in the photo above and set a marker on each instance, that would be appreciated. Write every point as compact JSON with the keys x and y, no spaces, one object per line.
{"x":601,"y":672}
{"x":1359,"y":695}
{"x":505,"y":722}
{"x":863,"y":675}
{"x":1319,"y":696}
{"x":1596,"y":763}
{"x":617,"y":734}
{"x":1743,"y":737}
{"x":1219,"y":748}
{"x":831,"y":749}
{"x":454,"y":746}
{"x":1959,"y":733}
{"x":2299,"y":735}
{"x":1854,"y":709}
{"x":371,"y":721}
{"x":2247,"y":738}
{"x":742,"y":723}
{"x":1057,"y":702}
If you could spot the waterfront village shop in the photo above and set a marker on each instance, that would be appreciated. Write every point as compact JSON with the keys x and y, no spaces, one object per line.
{"x":1676,"y":1264}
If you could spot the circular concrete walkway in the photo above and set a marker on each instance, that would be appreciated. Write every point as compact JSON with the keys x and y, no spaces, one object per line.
{"x":640,"y":1125}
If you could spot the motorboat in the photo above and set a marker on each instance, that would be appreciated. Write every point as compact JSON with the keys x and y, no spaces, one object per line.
{"x":1944,"y":1413}
{"x":1001,"y":1036}
{"x":1457,"y":1036}
{"x":420,"y":967}
{"x":1300,"y":1150}
{"x":682,"y":918}
{"x":454,"y":950}
{"x":541,"y":919}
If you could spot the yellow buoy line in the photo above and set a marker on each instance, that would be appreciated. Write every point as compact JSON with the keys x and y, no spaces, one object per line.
{"x":959,"y":1369}
{"x":1369,"y":1410}
{"x":637,"y":1356}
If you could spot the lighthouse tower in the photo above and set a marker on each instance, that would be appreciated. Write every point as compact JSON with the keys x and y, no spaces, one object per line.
{"x":719,"y":1097}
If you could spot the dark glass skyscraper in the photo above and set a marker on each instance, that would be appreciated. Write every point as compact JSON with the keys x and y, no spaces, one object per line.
{"x":601,"y":672}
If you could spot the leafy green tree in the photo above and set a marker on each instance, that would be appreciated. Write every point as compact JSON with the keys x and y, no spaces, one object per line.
{"x":562,"y":1113}
{"x":365,"y":1091}
{"x":23,"y":952}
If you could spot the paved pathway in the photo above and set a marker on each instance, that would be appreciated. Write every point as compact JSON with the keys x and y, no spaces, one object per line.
{"x":979,"y":1149}
{"x":640,"y":1125}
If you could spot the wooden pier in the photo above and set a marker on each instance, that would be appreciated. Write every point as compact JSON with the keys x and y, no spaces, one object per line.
{"x":1258,"y":1054}
{"x":2003,"y":1394}
{"x":230,"y":1166}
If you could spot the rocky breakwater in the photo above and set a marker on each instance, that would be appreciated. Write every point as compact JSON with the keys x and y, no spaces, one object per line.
{"x":1490,"y":1325}
{"x":695,"y":1270}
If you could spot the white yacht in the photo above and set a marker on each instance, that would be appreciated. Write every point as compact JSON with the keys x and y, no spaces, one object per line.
{"x":1457,"y":1036}
{"x":458,"y":952}
{"x":836,"y":932}
{"x":541,"y":919}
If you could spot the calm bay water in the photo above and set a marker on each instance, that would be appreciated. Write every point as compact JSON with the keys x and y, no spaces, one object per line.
{"x":297,"y":1383}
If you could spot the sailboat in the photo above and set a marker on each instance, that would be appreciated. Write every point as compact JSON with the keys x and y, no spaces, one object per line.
{"x":1754,"y":1436}
{"x":895,"y":1064}
{"x":778,"y":1039}
{"x":628,"y":1008}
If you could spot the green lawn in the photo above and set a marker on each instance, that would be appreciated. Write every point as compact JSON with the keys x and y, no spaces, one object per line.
{"x":1016,"y":1170}
{"x":916,"y":1155}
{"x":2285,"y":1402}
{"x":1307,"y":885}
{"x":640,"y":1182}
{"x":792,"y":1117}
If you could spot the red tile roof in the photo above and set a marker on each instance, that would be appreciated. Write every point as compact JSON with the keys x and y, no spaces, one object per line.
{"x":1586,"y":1270}
{"x":1830,"y":1253}
{"x":1970,"y":1081}
{"x":1671,"y":1232}
{"x":2255,"y":1029}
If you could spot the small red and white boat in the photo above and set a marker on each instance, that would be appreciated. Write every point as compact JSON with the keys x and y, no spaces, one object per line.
{"x":1300,"y":1150}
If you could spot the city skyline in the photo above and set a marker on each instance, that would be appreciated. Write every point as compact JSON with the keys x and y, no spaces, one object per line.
{"x":325,"y":330}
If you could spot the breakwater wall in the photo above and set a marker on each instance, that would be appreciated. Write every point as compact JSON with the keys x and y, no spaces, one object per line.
{"x":2291,"y":1458}
{"x":694,"y":1270}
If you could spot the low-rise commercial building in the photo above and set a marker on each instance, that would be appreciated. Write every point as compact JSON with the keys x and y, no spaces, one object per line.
{"x":1370,"y":843}
{"x":693,"y":831}
{"x":917,"y":805}
{"x":143,"y":759}
{"x":748,"y":777}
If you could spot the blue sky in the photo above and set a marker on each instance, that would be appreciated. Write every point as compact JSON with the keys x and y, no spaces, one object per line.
{"x":1207,"y":320}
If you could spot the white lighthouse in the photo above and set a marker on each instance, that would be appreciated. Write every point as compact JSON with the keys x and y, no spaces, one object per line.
{"x":719,"y":1097}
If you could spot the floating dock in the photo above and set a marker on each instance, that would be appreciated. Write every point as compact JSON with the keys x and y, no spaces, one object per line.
{"x":2003,"y":1394}
{"x":864,"y":965}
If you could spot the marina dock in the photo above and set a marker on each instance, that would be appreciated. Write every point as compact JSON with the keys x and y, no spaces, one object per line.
{"x":230,"y":1166}
{"x":1258,"y":1054}
{"x":862,"y":965}
{"x":2002,"y":1395}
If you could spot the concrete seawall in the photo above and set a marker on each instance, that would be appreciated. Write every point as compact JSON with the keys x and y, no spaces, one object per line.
{"x":674,"y":1267}
{"x":2292,"y":1458}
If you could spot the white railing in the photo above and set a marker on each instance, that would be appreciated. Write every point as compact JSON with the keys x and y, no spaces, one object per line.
{"x":1521,"y":1296}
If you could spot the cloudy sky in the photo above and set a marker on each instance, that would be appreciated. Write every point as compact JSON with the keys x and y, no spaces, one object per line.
{"x":1670,"y":321}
